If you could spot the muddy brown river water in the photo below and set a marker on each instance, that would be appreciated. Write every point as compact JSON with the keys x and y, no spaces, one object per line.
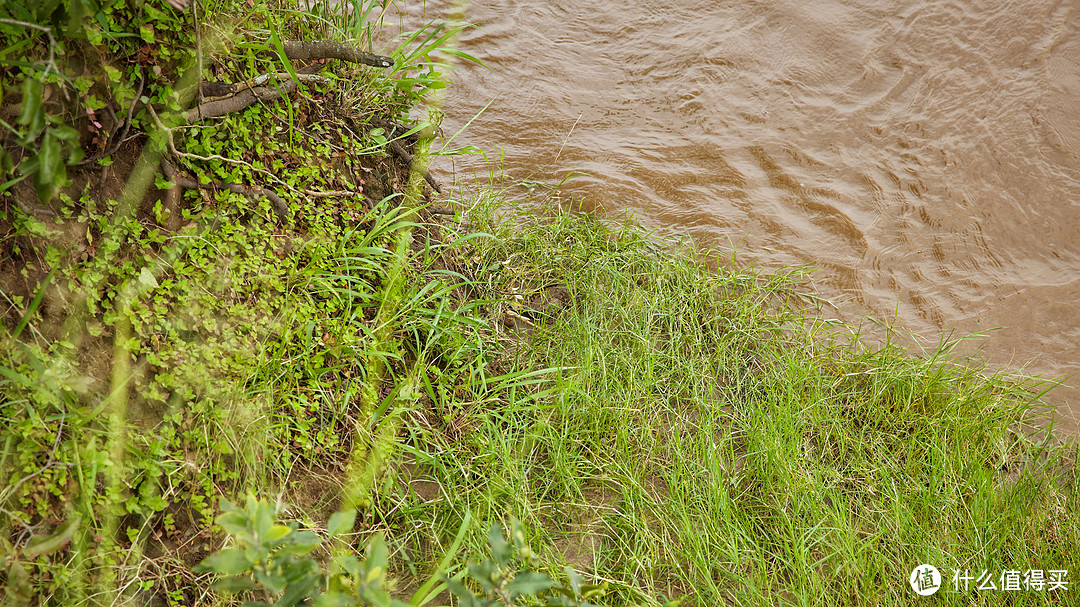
{"x":923,"y":156}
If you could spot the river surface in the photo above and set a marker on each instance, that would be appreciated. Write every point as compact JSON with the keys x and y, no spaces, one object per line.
{"x":924,"y":156}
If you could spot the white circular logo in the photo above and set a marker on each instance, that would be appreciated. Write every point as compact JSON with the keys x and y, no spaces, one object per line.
{"x":925,"y":580}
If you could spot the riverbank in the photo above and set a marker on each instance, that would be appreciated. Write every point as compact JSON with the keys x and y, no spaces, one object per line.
{"x":667,"y":430}
{"x":709,"y":439}
{"x":827,"y":137}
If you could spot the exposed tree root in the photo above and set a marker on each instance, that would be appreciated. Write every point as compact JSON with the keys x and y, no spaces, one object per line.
{"x":397,"y":133}
{"x":252,"y":91}
{"x":395,"y":129}
{"x":253,"y":193}
{"x":404,"y":155}
{"x":172,"y":197}
{"x":248,"y":97}
{"x":330,"y":49}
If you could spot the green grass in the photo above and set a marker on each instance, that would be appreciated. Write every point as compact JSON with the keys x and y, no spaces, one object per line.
{"x":705,"y":439}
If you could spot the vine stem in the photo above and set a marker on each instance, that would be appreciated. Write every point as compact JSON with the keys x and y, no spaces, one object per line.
{"x":52,"y":42}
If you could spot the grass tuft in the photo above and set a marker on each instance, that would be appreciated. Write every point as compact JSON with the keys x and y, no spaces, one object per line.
{"x":702,"y":437}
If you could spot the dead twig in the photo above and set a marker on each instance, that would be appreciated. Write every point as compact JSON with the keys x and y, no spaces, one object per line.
{"x":172,"y":145}
{"x":115,"y":142}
